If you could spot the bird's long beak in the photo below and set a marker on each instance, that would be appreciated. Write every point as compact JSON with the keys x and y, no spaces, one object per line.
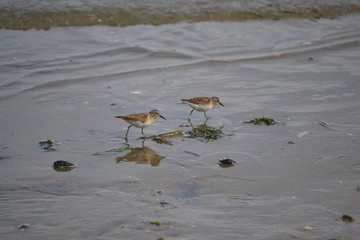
{"x":221,"y":104}
{"x":163,"y":117}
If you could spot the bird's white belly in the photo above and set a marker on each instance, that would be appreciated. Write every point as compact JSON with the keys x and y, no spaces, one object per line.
{"x":139,"y":124}
{"x":201,"y":108}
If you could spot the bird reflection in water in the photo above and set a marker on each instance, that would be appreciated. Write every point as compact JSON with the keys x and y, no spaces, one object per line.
{"x":203,"y":126}
{"x":141,"y":155}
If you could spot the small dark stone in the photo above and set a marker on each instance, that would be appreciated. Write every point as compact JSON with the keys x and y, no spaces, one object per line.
{"x":164,"y":203}
{"x":23,"y":226}
{"x":227,"y":161}
{"x":347,"y":218}
{"x":61,"y":163}
{"x":4,"y":156}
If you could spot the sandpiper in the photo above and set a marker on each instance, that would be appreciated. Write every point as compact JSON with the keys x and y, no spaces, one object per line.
{"x":141,"y":120}
{"x":202,"y":104}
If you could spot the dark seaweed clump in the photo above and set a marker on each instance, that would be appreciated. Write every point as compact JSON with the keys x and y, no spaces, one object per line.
{"x":47,"y":145}
{"x":162,"y":138}
{"x":262,"y":121}
{"x":114,"y":150}
{"x":206,"y":134}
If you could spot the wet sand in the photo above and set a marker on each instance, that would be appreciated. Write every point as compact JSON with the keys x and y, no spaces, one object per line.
{"x":301,"y":172}
{"x":46,"y":14}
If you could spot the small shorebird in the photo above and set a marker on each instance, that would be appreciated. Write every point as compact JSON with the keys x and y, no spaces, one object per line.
{"x":141,"y":120}
{"x":202,"y":104}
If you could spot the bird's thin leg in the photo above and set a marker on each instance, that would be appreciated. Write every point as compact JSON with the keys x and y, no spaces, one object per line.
{"x":126,"y":135}
{"x":205,"y":115}
{"x":205,"y":122}
{"x":142,"y":131}
{"x":191,"y":113}
{"x":143,"y":143}
{"x":190,"y":122}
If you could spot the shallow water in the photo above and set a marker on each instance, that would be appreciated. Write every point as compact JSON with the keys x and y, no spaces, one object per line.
{"x":67,"y":84}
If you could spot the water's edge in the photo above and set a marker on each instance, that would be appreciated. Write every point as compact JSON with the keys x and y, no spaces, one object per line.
{"x":25,"y":19}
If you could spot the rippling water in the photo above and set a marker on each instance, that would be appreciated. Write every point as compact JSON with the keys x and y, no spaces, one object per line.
{"x":80,"y":63}
{"x":38,"y":14}
{"x":34,"y":59}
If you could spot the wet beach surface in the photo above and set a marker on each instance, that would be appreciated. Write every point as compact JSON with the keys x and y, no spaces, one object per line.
{"x":292,"y":180}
